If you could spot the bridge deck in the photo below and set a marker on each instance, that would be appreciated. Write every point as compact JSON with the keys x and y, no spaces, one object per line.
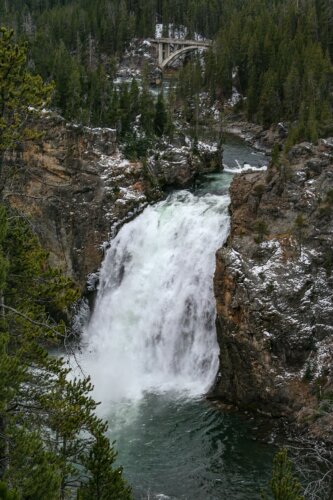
{"x":180,"y":41}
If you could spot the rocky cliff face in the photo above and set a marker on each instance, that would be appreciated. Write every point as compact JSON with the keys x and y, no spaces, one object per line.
{"x":74,"y":185}
{"x":77,"y":189}
{"x":273,"y":288}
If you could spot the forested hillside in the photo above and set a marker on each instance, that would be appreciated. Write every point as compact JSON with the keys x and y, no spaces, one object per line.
{"x":278,"y":54}
{"x":281,"y":54}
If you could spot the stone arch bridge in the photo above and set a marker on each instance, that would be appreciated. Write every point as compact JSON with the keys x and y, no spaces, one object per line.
{"x":168,"y":49}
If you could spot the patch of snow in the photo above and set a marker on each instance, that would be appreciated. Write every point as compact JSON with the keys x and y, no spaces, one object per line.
{"x":178,"y":32}
{"x":304,"y":258}
{"x":270,"y":245}
{"x":323,"y":358}
{"x":206,"y":147}
{"x":129,"y":194}
{"x":92,"y":281}
{"x":235,"y":98}
{"x":267,"y":267}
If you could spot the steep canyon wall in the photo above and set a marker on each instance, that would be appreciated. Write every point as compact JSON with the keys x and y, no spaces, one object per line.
{"x":274,"y":290}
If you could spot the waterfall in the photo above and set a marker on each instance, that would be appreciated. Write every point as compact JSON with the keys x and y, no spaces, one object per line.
{"x":153,"y":326}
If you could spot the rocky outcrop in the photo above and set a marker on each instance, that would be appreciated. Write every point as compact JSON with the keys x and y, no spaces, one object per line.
{"x":274,"y":290}
{"x":77,"y":189}
{"x":178,"y":165}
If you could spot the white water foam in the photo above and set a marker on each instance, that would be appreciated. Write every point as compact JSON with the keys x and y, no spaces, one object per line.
{"x":153,"y":327}
{"x":246,"y":167}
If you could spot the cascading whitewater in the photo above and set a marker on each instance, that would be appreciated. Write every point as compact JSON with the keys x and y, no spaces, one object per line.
{"x":153,"y":327}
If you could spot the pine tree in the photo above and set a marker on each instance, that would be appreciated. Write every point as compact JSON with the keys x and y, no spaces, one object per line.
{"x":147,"y":110}
{"x":292,"y":93}
{"x":134,"y":97}
{"x":269,"y":104}
{"x":6,"y":494}
{"x":161,"y":119}
{"x":20,"y":91}
{"x":105,"y":482}
{"x":48,"y":422}
{"x":283,"y":485}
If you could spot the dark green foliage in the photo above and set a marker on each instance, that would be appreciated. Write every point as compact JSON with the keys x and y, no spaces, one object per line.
{"x":75,"y":43}
{"x":278,"y":55}
{"x":309,"y":373}
{"x":47,"y":420}
{"x":283,"y":485}
{"x":275,"y":162}
{"x":300,"y":227}
{"x":140,"y":119}
{"x":189,"y":84}
{"x":147,"y":109}
{"x":300,"y":221}
{"x":19,"y":91}
{"x":51,"y":291}
{"x":260,"y":227}
{"x":281,"y":61}
{"x":104,"y":483}
{"x":5,"y":494}
{"x":135,"y":147}
{"x":160,"y":121}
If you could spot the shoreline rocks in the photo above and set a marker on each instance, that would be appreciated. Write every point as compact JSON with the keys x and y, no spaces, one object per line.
{"x":255,"y":134}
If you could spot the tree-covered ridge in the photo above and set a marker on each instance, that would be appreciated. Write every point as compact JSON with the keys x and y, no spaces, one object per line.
{"x":278,"y":53}
{"x":52,"y":444}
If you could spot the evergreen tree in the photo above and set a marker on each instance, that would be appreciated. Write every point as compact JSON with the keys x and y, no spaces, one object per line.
{"x":5,"y":494}
{"x":147,"y":109}
{"x":20,"y":91}
{"x":104,"y":483}
{"x":269,"y":104}
{"x":161,"y":119}
{"x":283,"y":485}
{"x":292,"y":93}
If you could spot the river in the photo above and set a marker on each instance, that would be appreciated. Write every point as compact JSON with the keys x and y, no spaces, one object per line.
{"x":152,"y":353}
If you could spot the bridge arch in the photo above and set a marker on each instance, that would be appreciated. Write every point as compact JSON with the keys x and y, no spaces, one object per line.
{"x":169,"y":49}
{"x":174,"y":55}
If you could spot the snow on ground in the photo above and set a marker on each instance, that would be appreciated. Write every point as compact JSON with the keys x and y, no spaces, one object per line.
{"x":207,"y":147}
{"x":235,"y":98}
{"x":179,"y":32}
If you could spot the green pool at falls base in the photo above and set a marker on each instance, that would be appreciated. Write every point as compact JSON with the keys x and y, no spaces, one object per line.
{"x":178,"y":448}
